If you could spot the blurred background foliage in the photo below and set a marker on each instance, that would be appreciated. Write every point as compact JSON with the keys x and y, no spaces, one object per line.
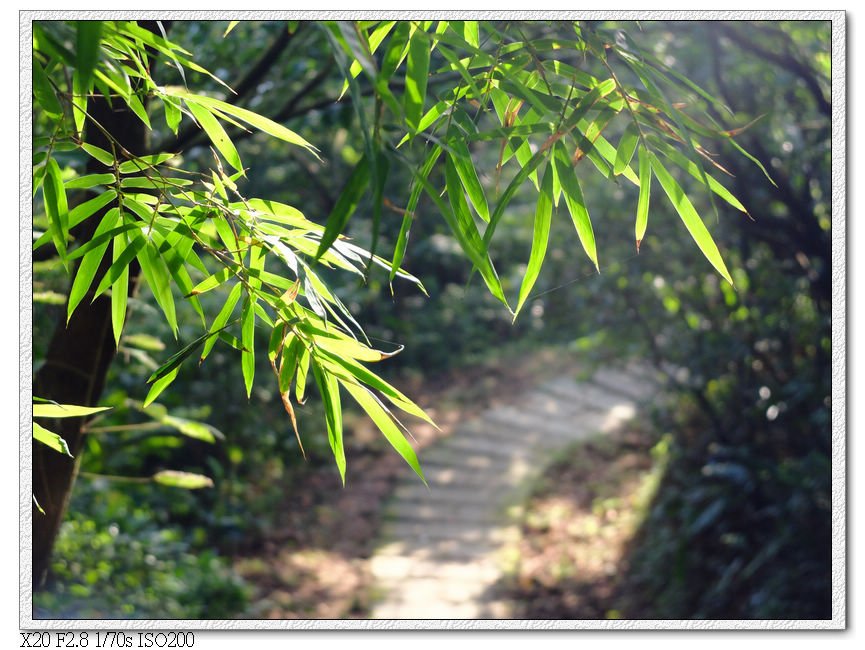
{"x":740,"y":524}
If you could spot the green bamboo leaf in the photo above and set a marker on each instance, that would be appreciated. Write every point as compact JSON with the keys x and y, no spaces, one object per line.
{"x":51,"y":439}
{"x":88,"y":181}
{"x":690,"y":217}
{"x":119,"y":291}
{"x":56,"y":206}
{"x":177,"y":358}
{"x":302,"y":372}
{"x":88,"y":34}
{"x":414,"y":197}
{"x":157,"y":276}
{"x":44,"y":93}
{"x":385,"y":423}
{"x":462,"y":160}
{"x":143,"y":163}
{"x":463,"y":226}
{"x":160,"y":384}
{"x":185,"y":480}
{"x":90,"y":263}
{"x":395,"y":51}
{"x":221,"y":319}
{"x":253,"y":119}
{"x":645,"y":191}
{"x":145,"y":342}
{"x":137,"y":107}
{"x":99,"y":154}
{"x":329,"y":388}
{"x":120,"y":264}
{"x":365,"y":376}
{"x":216,"y":133}
{"x":685,"y":163}
{"x":627,"y":145}
{"x":79,"y":101}
{"x":576,"y":203}
{"x":417,"y":75}
{"x":189,"y":428}
{"x":172,"y":114}
{"x":247,"y":326}
{"x":213,"y":281}
{"x":288,"y":362}
{"x":540,"y":237}
{"x":231,"y":25}
{"x":103,"y":237}
{"x":348,"y":199}
{"x":51,"y":410}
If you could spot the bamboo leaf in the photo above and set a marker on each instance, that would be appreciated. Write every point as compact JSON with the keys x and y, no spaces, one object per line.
{"x":645,"y":191}
{"x":44,"y":93}
{"x":231,"y":25}
{"x":540,"y":237}
{"x":88,"y":181}
{"x":348,"y":199}
{"x":417,"y":75}
{"x":627,"y":145}
{"x":221,"y":319}
{"x":216,"y":133}
{"x":253,"y":119}
{"x":119,"y":291}
{"x":385,"y":423}
{"x":247,"y":327}
{"x":462,"y":160}
{"x":56,"y":206}
{"x":51,"y":439}
{"x":90,"y":263}
{"x":329,"y":388}
{"x":576,"y":203}
{"x":157,"y":277}
{"x":690,"y":217}
{"x":185,"y":480}
{"x":160,"y":384}
{"x":51,"y":410}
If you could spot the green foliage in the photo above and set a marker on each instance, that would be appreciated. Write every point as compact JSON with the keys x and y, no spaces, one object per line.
{"x":269,"y":249}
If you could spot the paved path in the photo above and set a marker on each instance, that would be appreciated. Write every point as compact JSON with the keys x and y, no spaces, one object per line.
{"x":438,"y":558}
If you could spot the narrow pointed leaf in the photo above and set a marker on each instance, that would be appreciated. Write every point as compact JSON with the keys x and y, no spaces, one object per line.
{"x":247,"y":325}
{"x":51,"y":439}
{"x":90,"y":263}
{"x":540,"y":237}
{"x":119,"y":291}
{"x":690,"y":217}
{"x":56,"y":206}
{"x":216,"y":133}
{"x":348,"y":199}
{"x":185,"y":480}
{"x":385,"y":424}
{"x":576,"y":203}
{"x":65,"y":410}
{"x":44,"y":92}
{"x":417,"y":74}
{"x":221,"y":319}
{"x":627,"y":145}
{"x":645,"y":192}
{"x":329,"y":388}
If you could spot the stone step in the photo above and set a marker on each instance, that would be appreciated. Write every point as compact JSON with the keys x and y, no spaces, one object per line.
{"x":591,"y":395}
{"x":625,"y":384}
{"x":462,"y":532}
{"x":574,"y":429}
{"x":481,"y":440}
{"x":445,"y":513}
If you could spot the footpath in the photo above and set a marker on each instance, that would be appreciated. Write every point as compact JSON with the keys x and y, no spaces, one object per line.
{"x":438,"y":553}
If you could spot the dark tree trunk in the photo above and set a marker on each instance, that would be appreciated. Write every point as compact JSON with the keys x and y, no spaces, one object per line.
{"x":80,"y":352}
